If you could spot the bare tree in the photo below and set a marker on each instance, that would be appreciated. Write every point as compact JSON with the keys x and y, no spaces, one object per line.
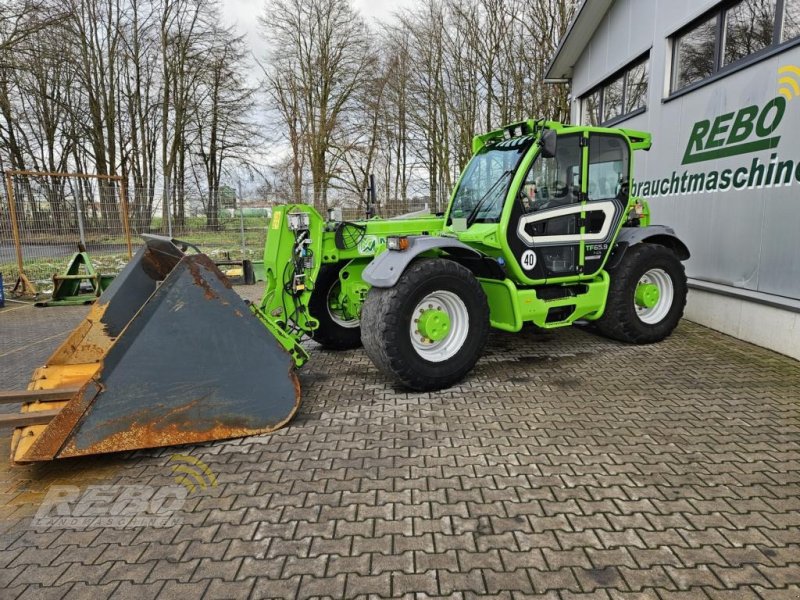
{"x":95,"y":25}
{"x":140,"y":94}
{"x":223,"y":129}
{"x":20,"y":19}
{"x":394,"y":118}
{"x":283,"y":91}
{"x":186,"y":34}
{"x":323,"y":45}
{"x":154,"y":91}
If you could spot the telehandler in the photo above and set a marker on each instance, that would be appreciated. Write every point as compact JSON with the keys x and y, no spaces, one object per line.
{"x":541,"y":228}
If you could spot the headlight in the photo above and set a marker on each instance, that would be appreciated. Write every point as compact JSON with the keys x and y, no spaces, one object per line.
{"x":397,"y":243}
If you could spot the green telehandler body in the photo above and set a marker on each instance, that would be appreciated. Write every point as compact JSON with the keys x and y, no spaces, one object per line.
{"x":541,"y":228}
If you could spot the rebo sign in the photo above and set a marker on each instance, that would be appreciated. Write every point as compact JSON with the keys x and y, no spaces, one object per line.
{"x":746,"y":130}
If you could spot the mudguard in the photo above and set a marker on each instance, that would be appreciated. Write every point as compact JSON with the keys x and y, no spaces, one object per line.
{"x":385,"y":269}
{"x":652,"y":234}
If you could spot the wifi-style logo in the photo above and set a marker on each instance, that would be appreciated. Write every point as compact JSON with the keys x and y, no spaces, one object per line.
{"x":192,"y":473}
{"x":789,"y":86}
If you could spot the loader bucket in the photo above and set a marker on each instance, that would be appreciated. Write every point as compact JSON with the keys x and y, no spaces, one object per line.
{"x":168,"y":355}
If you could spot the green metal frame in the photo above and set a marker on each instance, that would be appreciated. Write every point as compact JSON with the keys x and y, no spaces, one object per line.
{"x":510,"y":306}
{"x":512,"y":301}
{"x":352,"y":288}
{"x":67,"y":285}
{"x":282,"y":304}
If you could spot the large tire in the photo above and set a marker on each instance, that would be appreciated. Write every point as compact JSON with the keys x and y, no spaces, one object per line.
{"x":626,"y":320}
{"x":333,"y":333}
{"x":404,"y":353}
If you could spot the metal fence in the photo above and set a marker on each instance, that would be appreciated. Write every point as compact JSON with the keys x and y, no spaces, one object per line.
{"x":45,"y":217}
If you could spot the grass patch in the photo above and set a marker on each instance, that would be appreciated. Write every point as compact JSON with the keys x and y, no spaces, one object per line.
{"x":219,"y":245}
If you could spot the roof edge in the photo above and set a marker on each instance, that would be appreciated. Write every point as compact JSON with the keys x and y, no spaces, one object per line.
{"x":579,"y":32}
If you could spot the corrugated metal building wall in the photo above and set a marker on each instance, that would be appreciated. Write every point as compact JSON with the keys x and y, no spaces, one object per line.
{"x":723,"y":106}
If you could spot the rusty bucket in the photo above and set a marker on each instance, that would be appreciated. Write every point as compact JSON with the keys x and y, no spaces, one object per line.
{"x":168,"y":355}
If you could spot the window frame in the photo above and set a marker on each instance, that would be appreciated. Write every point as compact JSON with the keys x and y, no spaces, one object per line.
{"x":627,"y":160}
{"x":719,"y":70}
{"x":538,"y":161}
{"x":600,"y":88}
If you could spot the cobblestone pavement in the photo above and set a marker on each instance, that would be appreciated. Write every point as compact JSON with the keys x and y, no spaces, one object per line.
{"x":565,"y":466}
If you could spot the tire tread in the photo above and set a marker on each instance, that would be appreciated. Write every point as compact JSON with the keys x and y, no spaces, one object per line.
{"x":618,"y":322}
{"x":381,"y":325}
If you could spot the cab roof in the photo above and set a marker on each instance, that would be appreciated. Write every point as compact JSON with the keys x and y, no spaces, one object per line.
{"x":639,"y":140}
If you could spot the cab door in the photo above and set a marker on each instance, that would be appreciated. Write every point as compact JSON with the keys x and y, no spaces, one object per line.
{"x":544,"y":231}
{"x":606,"y":200}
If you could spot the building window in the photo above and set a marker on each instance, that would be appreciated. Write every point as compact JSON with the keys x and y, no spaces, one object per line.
{"x":748,"y":28}
{"x":591,"y":108}
{"x":620,"y":95}
{"x":791,"y":20}
{"x":612,"y":98}
{"x":636,"y":88}
{"x":729,"y":34}
{"x":694,"y":53}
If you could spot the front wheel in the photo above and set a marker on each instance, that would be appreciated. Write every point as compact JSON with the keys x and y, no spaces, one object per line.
{"x":336,"y":330}
{"x":646,"y":297}
{"x":427,"y":331}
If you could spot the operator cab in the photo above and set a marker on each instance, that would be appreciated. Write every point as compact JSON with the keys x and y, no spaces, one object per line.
{"x":563,"y":221}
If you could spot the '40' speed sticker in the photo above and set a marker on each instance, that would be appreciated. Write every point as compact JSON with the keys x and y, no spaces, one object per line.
{"x":528,"y":260}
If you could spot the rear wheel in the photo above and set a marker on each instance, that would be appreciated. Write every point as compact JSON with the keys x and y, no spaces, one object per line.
{"x":336,"y":331}
{"x":646,"y":297}
{"x":427,"y":331}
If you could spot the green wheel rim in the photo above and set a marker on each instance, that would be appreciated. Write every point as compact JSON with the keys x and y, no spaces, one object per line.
{"x":434,"y":324}
{"x":439,"y":326}
{"x":653,"y":305}
{"x":647,"y":295}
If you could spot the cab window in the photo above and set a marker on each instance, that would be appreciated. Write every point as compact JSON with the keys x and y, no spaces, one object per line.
{"x":485,"y":182}
{"x":556,"y":181}
{"x":608,"y":167}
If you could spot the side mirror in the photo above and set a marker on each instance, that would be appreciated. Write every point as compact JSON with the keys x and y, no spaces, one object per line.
{"x":548,"y":143}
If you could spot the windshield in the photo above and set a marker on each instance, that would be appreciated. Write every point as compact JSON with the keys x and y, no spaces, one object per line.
{"x":486,"y":180}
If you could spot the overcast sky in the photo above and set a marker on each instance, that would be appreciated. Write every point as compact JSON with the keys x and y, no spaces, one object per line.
{"x":244,"y":15}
